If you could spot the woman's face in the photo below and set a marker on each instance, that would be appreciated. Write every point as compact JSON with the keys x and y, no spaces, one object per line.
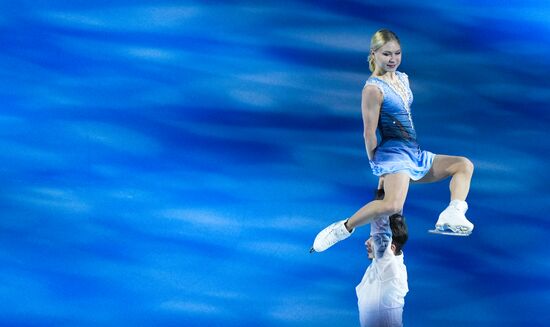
{"x":388,"y":57}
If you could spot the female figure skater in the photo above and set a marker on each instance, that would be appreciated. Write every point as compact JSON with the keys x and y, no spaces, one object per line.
{"x":385,"y":105}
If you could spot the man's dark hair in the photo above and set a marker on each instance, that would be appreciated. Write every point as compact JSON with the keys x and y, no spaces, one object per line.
{"x":399,"y":230}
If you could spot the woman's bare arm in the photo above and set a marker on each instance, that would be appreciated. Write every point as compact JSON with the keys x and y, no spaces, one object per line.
{"x":370,"y":107}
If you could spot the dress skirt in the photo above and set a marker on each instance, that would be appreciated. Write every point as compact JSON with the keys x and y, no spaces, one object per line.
{"x":397,"y":156}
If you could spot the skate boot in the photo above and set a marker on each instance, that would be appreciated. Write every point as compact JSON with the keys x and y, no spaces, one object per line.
{"x":329,"y":236}
{"x":453,"y":221}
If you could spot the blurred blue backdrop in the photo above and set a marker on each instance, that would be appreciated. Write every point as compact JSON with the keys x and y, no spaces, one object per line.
{"x":168,"y":163}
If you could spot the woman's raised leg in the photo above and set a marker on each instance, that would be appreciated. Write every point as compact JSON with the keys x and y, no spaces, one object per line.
{"x":460,"y":169}
{"x":396,"y":187}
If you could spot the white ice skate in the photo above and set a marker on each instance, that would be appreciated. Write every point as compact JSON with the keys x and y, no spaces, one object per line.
{"x":452,"y":220}
{"x":329,"y":236}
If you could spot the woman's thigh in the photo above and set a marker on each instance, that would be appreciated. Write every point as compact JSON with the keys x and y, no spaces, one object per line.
{"x":396,"y":187}
{"x":443,"y":166}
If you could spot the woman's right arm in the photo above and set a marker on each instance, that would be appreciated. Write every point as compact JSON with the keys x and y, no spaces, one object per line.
{"x":370,"y":107}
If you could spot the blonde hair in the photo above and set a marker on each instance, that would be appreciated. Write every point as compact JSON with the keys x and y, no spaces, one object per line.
{"x":377,"y":41}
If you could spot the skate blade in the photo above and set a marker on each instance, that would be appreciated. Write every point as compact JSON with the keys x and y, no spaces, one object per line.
{"x":312,"y":250}
{"x":448,"y":232}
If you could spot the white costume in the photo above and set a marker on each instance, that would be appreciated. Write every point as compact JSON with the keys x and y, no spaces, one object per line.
{"x":381,"y":293}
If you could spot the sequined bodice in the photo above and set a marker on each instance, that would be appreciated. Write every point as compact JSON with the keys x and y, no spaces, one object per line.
{"x":395,"y":121}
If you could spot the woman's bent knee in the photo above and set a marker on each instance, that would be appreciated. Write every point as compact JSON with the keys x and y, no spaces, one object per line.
{"x":391,"y":207}
{"x":466,"y":165}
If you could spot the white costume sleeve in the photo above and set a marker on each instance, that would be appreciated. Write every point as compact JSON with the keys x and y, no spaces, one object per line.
{"x":381,"y":235}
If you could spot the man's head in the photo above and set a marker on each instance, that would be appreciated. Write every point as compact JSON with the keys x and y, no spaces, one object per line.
{"x":399,"y":236}
{"x":399,"y":231}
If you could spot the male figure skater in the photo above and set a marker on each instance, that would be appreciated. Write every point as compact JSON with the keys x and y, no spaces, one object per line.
{"x":381,"y":293}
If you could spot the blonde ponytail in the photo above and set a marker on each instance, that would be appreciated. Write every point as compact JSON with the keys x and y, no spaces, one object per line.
{"x":372,"y":66}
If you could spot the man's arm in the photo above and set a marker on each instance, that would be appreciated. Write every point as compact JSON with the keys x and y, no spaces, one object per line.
{"x":381,"y":236}
{"x":380,"y":229}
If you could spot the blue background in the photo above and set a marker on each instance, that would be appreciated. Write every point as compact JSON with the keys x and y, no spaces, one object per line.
{"x":168,"y":163}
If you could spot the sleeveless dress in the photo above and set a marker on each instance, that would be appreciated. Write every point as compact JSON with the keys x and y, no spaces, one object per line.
{"x":398,"y":150}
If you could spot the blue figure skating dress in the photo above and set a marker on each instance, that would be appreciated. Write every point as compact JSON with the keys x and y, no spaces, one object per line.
{"x":397,"y":149}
